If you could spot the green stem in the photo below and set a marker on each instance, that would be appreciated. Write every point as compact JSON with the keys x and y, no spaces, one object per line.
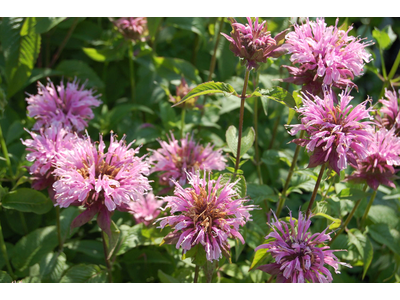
{"x":6,"y":156}
{"x":383,"y":64}
{"x":131,"y":71}
{"x":108,"y":264}
{"x":394,"y":67}
{"x":196,"y":274}
{"x":282,"y":198}
{"x":243,"y":99}
{"x":274,"y":131}
{"x":183,"y":120}
{"x":257,"y":154}
{"x":327,"y":190}
{"x":364,"y":217}
{"x":349,"y":217}
{"x":60,"y":241}
{"x":314,"y":194}
{"x":5,"y":255}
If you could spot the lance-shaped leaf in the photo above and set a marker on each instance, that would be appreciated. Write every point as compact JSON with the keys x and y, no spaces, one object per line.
{"x":27,"y":200}
{"x":210,"y":87}
{"x":277,"y":94}
{"x":364,"y":247}
{"x":232,"y":139}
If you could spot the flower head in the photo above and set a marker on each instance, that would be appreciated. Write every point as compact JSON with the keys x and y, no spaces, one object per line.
{"x":70,"y":105}
{"x":100,"y":181}
{"x":299,"y":255}
{"x":45,"y":149}
{"x":383,"y":153}
{"x":391,"y":112}
{"x":253,"y":43}
{"x":132,"y":28}
{"x":336,"y":132}
{"x":146,"y":208}
{"x":324,"y":55}
{"x":208,"y":212}
{"x":175,"y":157}
{"x":181,"y":91}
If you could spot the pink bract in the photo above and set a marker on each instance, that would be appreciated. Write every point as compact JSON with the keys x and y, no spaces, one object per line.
{"x":207,"y":213}
{"x":175,"y":157}
{"x":71,"y":105}
{"x":299,"y":255}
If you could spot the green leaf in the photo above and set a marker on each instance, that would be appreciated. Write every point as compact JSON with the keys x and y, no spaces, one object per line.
{"x":277,"y":94}
{"x":67,"y":215}
{"x":174,"y":68}
{"x":247,"y":141}
{"x":21,"y":46}
{"x":386,"y":236}
{"x":336,"y":222}
{"x":383,"y":214}
{"x":46,"y":24}
{"x":384,"y":37}
{"x":152,"y":26}
{"x":260,"y":258}
{"x":76,"y":68}
{"x":52,"y":266}
{"x":259,"y":193}
{"x":131,"y":237}
{"x":352,"y":194}
{"x":364,"y":247}
{"x":106,"y":54}
{"x":113,"y":240}
{"x":210,"y":87}
{"x":27,"y":200}
{"x":32,"y":247}
{"x":165,"y":278}
{"x":85,"y":274}
{"x":232,"y":270}
{"x":238,"y":248}
{"x":89,"y":247}
{"x":4,"y":277}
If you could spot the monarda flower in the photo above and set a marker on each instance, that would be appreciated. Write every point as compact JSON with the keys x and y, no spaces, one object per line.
{"x":181,"y":91}
{"x":44,"y":150}
{"x":299,"y":255}
{"x":253,"y":43}
{"x":146,"y":208}
{"x":207,"y":213}
{"x":71,"y":105}
{"x":324,"y":55}
{"x":100,"y":181}
{"x":175,"y":157}
{"x":391,"y":112}
{"x":336,"y":132}
{"x":378,"y":167}
{"x":132,"y":28}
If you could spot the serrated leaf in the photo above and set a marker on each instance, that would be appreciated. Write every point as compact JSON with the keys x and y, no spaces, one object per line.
{"x":277,"y":94}
{"x":32,"y":247}
{"x":131,"y":237}
{"x":364,"y":247}
{"x":4,"y":277}
{"x":52,"y":266}
{"x":85,"y":274}
{"x":384,"y":37}
{"x":210,"y":87}
{"x":232,"y":139}
{"x":27,"y":200}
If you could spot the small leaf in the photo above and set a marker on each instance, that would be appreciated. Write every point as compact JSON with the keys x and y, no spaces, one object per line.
{"x":336,"y":222}
{"x":364,"y":247}
{"x":260,"y":258}
{"x":384,"y":37}
{"x":210,"y":87}
{"x":27,"y":200}
{"x":277,"y":94}
{"x":84,"y":274}
{"x":247,"y":141}
{"x":4,"y":277}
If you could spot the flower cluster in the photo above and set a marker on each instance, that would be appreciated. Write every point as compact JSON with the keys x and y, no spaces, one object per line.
{"x":208,"y":212}
{"x":175,"y":157}
{"x":253,"y":42}
{"x":71,"y":105}
{"x":377,"y":168}
{"x":100,"y":181}
{"x":336,"y":132}
{"x":146,"y":208}
{"x":391,"y":112}
{"x":299,"y":255}
{"x":132,"y":28}
{"x":181,"y":91}
{"x":324,"y":56}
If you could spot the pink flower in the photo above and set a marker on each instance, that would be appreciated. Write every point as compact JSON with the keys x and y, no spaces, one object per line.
{"x":175,"y":157}
{"x":324,"y":56}
{"x":253,"y":43}
{"x":391,"y":112}
{"x":336,"y":132}
{"x":209,"y":212}
{"x":377,"y":168}
{"x":181,"y":91}
{"x":70,"y":105}
{"x":146,"y":208}
{"x":100,"y":181}
{"x":299,"y":255}
{"x":44,"y":151}
{"x":132,"y":28}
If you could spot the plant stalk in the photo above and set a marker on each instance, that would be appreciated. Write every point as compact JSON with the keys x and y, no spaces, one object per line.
{"x":257,"y":153}
{"x":60,"y":240}
{"x":314,"y":194}
{"x":6,"y":156}
{"x":196,"y":274}
{"x":274,"y":131}
{"x":108,"y":264}
{"x":394,"y":67}
{"x":5,"y":255}
{"x":364,"y":217}
{"x":183,"y":119}
{"x":131,"y":71}
{"x":209,"y":270}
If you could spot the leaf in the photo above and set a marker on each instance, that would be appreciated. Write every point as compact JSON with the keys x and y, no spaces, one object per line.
{"x":27,"y":200}
{"x":4,"y":277}
{"x":364,"y":247}
{"x":232,"y":270}
{"x":386,"y":236}
{"x":384,"y":37}
{"x":383,"y":214}
{"x":113,"y":241}
{"x":76,"y":68}
{"x":259,"y":193}
{"x":232,"y":139}
{"x":46,"y":24}
{"x":106,"y":54}
{"x":131,"y":237}
{"x":174,"y":68}
{"x":67,"y":215}
{"x":21,"y":46}
{"x":52,"y":266}
{"x":277,"y":94}
{"x":152,"y":26}
{"x":209,"y":87}
{"x":272,"y":157}
{"x":352,"y":194}
{"x":89,"y":247}
{"x":260,"y":258}
{"x":32,"y":247}
{"x":85,"y":274}
{"x":165,"y":278}
{"x":336,"y":222}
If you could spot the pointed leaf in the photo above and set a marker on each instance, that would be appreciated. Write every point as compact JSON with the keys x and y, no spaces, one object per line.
{"x":277,"y":94}
{"x":364,"y":247}
{"x":247,"y":141}
{"x":386,"y":236}
{"x":4,"y":277}
{"x":336,"y":222}
{"x":27,"y":200}
{"x":46,"y":24}
{"x":84,"y":274}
